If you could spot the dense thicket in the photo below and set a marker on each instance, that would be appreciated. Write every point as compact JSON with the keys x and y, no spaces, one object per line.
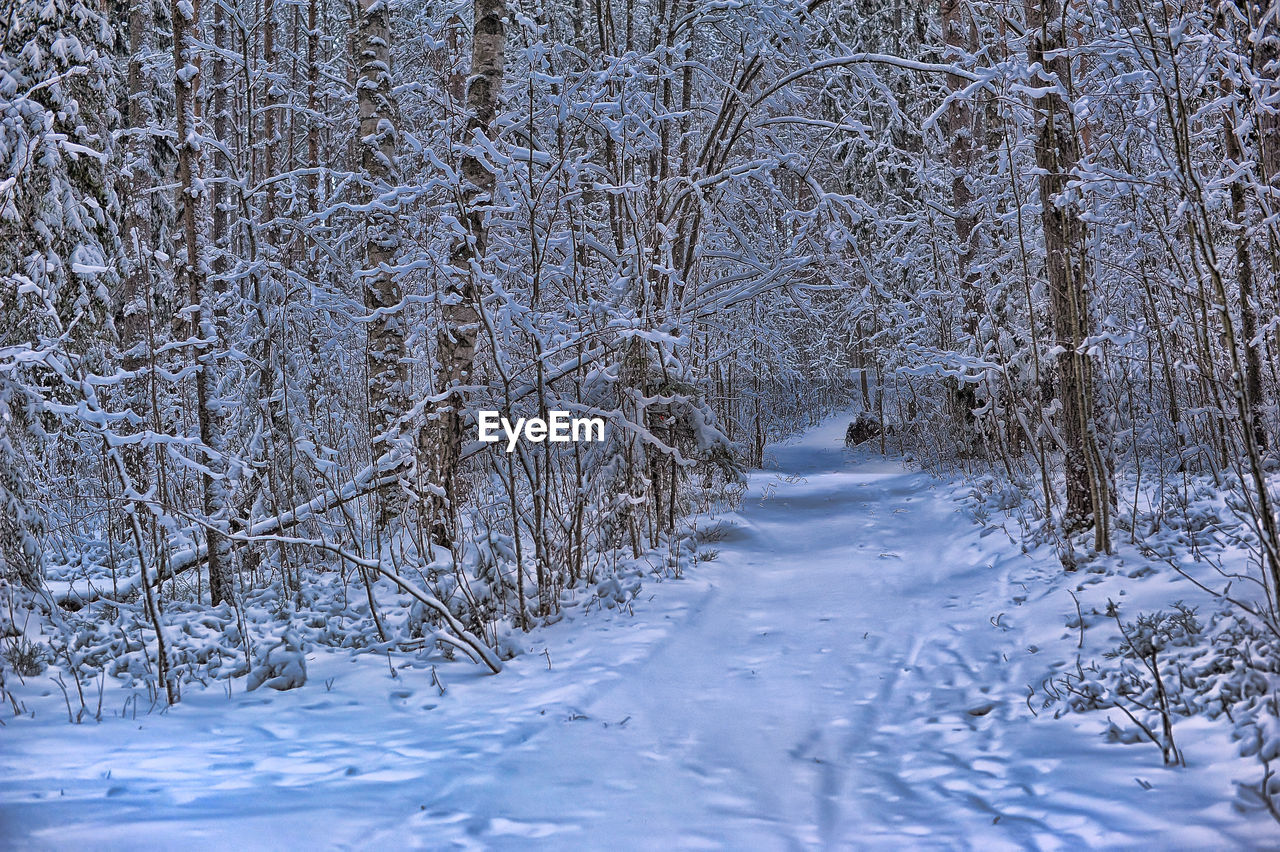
{"x":262,"y":262}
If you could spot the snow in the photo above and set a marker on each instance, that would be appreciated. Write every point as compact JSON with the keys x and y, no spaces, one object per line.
{"x":852,"y":670}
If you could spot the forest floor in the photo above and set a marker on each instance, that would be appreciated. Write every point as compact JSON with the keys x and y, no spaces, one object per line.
{"x":852,"y":670}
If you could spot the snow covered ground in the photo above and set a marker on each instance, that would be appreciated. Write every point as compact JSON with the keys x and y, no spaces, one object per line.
{"x":851,"y":672}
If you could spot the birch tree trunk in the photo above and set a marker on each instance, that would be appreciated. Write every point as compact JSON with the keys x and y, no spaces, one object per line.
{"x":384,"y":356}
{"x":440,"y":442}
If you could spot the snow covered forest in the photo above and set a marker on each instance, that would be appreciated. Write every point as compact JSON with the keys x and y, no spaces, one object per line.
{"x":264,"y":261}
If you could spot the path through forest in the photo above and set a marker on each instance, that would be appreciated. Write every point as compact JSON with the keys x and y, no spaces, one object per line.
{"x":851,"y":671}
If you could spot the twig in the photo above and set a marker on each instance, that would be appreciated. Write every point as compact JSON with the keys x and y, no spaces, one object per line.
{"x":1079,"y":618}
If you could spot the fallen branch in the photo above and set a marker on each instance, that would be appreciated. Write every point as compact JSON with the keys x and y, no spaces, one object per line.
{"x":365,"y":482}
{"x":462,"y":639}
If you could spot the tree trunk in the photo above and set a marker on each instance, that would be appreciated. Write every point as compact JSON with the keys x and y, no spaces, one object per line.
{"x":962,"y":144}
{"x":1266,"y":64}
{"x":202,"y":291}
{"x":384,"y":357}
{"x":440,"y":442}
{"x":1265,"y":61}
{"x":1057,"y":151}
{"x":134,"y":320}
{"x":1244,"y":274}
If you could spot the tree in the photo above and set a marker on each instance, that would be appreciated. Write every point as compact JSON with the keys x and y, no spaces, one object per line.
{"x":203,"y":291}
{"x":383,"y":297}
{"x":440,"y":444}
{"x":1068,"y":268}
{"x":59,"y":239}
{"x":964,"y":140}
{"x":1235,"y":157}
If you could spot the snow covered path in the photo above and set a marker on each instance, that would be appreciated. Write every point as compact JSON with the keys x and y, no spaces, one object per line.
{"x":850,"y":672}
